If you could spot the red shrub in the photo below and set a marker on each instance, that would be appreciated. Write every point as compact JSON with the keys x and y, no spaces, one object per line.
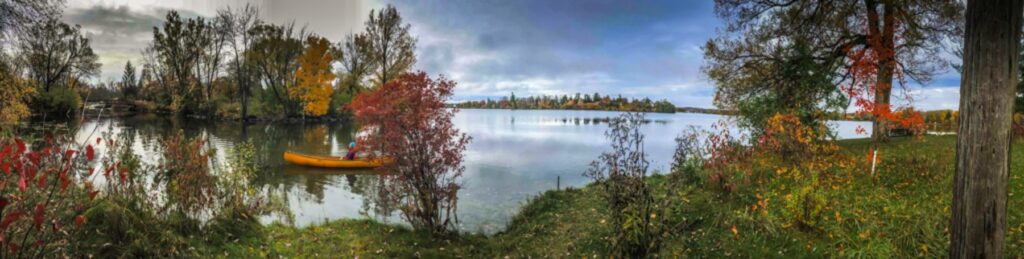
{"x":44,"y":192}
{"x":413,"y":127}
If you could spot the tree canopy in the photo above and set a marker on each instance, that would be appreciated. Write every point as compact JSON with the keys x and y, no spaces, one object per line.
{"x":391,"y":46}
{"x":315,"y":77}
{"x":415,"y":129}
{"x":859,"y":47}
{"x":57,"y":54}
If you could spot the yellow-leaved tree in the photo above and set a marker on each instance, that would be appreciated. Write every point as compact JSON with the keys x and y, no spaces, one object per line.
{"x":14,"y":93}
{"x":315,"y":86}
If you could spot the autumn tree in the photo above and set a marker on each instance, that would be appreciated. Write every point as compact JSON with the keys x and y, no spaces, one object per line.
{"x":129,"y":83}
{"x":56,"y":53}
{"x":187,"y":57}
{"x":179,"y":57}
{"x":211,"y":40}
{"x":15,"y":17}
{"x":238,"y":23}
{"x":57,"y":56}
{"x":991,"y":48}
{"x":862,"y":47}
{"x":14,"y":96}
{"x":390,"y":43}
{"x":414,"y":128}
{"x":315,"y":88}
{"x":356,"y":61}
{"x":274,"y":56}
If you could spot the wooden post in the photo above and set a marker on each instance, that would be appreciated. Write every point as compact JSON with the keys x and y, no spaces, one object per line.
{"x":874,"y":161}
{"x":991,"y":43}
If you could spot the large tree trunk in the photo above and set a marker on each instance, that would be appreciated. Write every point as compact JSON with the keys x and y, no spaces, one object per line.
{"x":886,"y":49}
{"x":978,"y":228}
{"x":883,"y":92}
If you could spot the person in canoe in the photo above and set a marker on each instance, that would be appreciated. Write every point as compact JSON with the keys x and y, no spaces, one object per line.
{"x":352,"y":150}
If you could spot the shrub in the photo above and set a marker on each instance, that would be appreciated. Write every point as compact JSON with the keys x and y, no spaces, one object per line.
{"x":621,"y":173}
{"x":242,"y":201}
{"x":44,"y":192}
{"x":415,"y":129}
{"x":229,"y":110}
{"x":689,"y":156}
{"x":185,"y":172}
{"x":725,"y":153}
{"x":58,"y":101}
{"x":132,"y":222}
{"x":339,"y":102}
{"x":127,"y":223}
{"x":790,"y":164}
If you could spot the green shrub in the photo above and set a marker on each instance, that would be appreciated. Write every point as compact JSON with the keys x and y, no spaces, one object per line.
{"x":338,"y":103}
{"x":637,"y":230}
{"x":198,"y":206}
{"x":228,"y":110}
{"x":59,"y":100}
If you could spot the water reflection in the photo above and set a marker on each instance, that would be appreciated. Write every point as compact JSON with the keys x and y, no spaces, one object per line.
{"x":513,"y":155}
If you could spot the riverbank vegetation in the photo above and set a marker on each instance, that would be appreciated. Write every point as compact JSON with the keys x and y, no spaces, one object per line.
{"x":594,"y":102}
{"x":230,"y":66}
{"x":98,"y":198}
{"x":783,"y":187}
{"x":899,"y":211}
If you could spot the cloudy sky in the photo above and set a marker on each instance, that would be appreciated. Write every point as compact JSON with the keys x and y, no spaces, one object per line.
{"x":493,"y":47}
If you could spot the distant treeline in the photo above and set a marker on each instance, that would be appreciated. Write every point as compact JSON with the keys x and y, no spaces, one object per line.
{"x":595,"y":102}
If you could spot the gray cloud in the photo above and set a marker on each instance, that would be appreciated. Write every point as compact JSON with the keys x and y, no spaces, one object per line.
{"x":119,"y":19}
{"x":118,"y":33}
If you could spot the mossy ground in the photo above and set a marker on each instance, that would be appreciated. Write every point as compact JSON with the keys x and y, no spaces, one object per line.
{"x":901,"y":211}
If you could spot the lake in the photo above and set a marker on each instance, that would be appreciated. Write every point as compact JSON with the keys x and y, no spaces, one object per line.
{"x":514,"y":155}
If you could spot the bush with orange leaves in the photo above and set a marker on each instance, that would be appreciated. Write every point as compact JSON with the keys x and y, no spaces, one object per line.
{"x":787,"y":153}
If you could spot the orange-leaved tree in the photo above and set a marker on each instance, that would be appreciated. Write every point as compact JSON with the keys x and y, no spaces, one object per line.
{"x":315,"y":88}
{"x":414,"y":128}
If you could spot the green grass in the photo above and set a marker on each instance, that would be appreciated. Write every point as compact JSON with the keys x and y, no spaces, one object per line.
{"x":349,"y":239}
{"x":900,"y":211}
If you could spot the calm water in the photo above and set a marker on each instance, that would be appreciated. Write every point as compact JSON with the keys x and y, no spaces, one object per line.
{"x":514,"y":155}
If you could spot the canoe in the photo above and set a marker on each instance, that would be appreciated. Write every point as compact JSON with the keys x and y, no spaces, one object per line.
{"x":333,"y":161}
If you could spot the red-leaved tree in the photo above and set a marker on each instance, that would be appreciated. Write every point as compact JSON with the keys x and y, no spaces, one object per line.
{"x":412,"y":126}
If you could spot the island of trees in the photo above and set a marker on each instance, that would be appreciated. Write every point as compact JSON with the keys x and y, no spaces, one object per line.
{"x":595,"y":102}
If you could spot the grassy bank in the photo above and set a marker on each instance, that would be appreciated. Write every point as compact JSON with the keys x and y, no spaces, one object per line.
{"x":900,"y":211}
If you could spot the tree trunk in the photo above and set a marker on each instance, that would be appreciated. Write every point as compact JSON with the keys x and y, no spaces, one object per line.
{"x":243,"y":89}
{"x":886,"y":49}
{"x":991,"y":42}
{"x":245,"y":103}
{"x":883,"y":91}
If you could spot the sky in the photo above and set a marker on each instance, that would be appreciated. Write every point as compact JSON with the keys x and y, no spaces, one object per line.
{"x":493,"y":48}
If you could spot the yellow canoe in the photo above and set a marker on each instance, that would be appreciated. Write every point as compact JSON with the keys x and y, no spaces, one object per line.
{"x":332,"y":161}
